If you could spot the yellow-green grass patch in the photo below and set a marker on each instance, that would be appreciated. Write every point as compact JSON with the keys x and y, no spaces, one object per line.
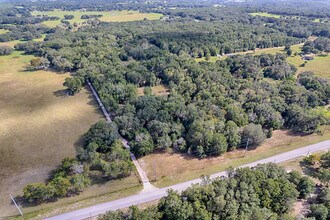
{"x":40,"y":125}
{"x":159,"y":90}
{"x":169,"y":168}
{"x":108,"y":16}
{"x":320,"y":66}
{"x":265,"y":14}
{"x":12,"y":43}
{"x":3,"y":31}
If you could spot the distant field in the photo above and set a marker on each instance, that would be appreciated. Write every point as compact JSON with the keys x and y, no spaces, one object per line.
{"x":320,"y":65}
{"x":265,"y":14}
{"x":3,"y":31}
{"x":40,"y":125}
{"x":108,"y":16}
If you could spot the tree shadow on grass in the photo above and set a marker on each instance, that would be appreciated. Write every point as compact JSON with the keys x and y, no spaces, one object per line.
{"x":92,"y":102}
{"x":61,"y":93}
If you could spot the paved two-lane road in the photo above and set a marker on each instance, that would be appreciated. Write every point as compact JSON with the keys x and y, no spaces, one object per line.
{"x":154,"y":194}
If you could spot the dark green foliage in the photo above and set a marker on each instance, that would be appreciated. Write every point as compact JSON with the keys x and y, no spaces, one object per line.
{"x":280,"y":71}
{"x":79,"y":183}
{"x":61,"y":186}
{"x":233,"y":135}
{"x":103,"y":134}
{"x":324,"y":175}
{"x":263,"y":192}
{"x":319,"y":212}
{"x":69,"y":178}
{"x":142,"y":144}
{"x":69,"y":17}
{"x":5,"y":50}
{"x":90,"y":16}
{"x":254,"y":134}
{"x":211,"y":107}
{"x":325,"y":160}
{"x":324,"y":197}
{"x":116,"y":164}
{"x":74,"y":84}
{"x":104,"y":151}
{"x":303,"y":120}
{"x":38,"y":63}
{"x":321,"y":44}
{"x":304,"y":184}
{"x":120,"y":57}
{"x":38,"y":192}
{"x":310,"y":160}
{"x":133,"y":213}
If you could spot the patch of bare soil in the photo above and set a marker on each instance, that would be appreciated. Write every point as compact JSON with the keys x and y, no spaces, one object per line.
{"x":300,"y":209}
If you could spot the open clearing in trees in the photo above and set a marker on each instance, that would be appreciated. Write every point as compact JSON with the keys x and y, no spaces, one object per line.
{"x":265,"y":14}
{"x":109,"y":16}
{"x":39,"y":126}
{"x":12,"y":43}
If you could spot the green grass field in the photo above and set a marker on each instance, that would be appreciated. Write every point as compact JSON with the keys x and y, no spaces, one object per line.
{"x":108,"y":16}
{"x":265,"y":14}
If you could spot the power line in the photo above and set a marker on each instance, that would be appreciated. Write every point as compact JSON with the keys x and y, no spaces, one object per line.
{"x":16,"y":205}
{"x":247,"y":144}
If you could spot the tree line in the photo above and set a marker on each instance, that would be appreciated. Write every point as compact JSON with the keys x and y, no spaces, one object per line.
{"x":102,"y":156}
{"x":262,"y":192}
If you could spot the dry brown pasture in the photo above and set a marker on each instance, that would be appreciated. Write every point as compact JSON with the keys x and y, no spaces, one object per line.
{"x":39,"y":125}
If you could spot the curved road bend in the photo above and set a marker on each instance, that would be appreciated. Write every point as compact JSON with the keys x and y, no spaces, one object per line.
{"x":146,"y":183}
{"x":155,"y":194}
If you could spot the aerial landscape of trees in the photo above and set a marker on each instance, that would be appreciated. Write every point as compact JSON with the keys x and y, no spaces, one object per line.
{"x":210,"y":107}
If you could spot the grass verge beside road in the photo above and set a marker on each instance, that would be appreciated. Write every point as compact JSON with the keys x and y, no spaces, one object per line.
{"x":169,"y":168}
{"x":97,"y":193}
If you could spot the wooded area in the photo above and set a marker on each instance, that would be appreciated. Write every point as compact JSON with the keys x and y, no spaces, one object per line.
{"x":209,"y":109}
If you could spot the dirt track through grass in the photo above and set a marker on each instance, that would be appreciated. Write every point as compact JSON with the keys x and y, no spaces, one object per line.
{"x":40,"y":124}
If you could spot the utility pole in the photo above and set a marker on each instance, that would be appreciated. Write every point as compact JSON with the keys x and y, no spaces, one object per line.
{"x":246,"y":147}
{"x":16,"y":205}
{"x":155,"y":170}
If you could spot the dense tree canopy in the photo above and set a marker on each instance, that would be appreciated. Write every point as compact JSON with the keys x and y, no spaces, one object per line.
{"x":263,"y":192}
{"x":210,"y":104}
